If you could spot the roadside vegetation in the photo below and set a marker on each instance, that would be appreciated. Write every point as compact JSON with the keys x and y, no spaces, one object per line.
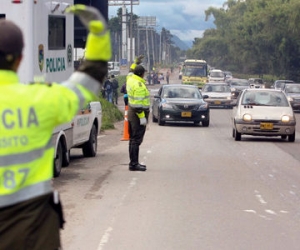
{"x":110,"y":112}
{"x":259,"y":37}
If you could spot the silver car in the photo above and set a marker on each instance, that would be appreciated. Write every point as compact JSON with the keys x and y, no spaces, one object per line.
{"x":292,"y":90}
{"x":263,"y":112}
{"x":219,"y":94}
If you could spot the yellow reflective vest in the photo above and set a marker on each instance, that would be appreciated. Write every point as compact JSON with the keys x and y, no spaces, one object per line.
{"x":138,"y":94}
{"x":28,"y":114}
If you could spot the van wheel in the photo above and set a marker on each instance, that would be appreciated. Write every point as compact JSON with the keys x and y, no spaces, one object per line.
{"x":58,"y":161}
{"x":66,"y":159}
{"x":89,"y":148}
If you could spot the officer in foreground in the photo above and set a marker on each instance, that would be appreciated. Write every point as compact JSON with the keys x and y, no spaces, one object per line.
{"x":30,"y":212}
{"x":138,"y":112}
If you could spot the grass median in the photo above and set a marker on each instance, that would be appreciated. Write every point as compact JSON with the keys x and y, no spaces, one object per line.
{"x":111,"y":112}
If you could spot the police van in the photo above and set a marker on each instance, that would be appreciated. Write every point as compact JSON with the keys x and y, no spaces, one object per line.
{"x":48,"y":57}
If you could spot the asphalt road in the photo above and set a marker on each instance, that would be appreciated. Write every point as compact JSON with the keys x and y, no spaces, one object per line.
{"x":202,"y":190}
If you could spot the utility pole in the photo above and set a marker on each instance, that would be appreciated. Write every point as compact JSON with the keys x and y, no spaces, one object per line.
{"x":153,"y":47}
{"x":127,"y":52}
{"x":131,"y":35}
{"x":159,"y":56}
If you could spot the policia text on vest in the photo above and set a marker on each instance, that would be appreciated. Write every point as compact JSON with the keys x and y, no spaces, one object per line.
{"x":30,"y":211}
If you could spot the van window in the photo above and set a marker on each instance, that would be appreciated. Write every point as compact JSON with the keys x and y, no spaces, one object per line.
{"x":57,"y":32}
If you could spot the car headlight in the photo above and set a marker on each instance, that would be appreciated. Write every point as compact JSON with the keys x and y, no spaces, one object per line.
{"x":203,"y":106}
{"x":166,"y":105}
{"x":228,"y":97}
{"x":290,"y":99}
{"x":285,"y":118}
{"x":247,"y":117}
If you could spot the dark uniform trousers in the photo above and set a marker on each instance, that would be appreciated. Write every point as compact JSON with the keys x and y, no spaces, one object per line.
{"x":30,"y":225}
{"x":136,"y":135}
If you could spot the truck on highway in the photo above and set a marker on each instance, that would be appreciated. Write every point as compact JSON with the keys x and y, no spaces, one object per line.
{"x":48,"y":57}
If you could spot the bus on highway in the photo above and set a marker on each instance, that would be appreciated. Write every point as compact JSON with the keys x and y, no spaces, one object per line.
{"x":194,"y":72}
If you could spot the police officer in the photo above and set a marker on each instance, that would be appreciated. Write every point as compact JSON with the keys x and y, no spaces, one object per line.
{"x":30,"y":211}
{"x":138,"y":112}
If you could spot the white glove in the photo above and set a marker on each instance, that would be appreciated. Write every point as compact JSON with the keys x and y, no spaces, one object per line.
{"x":143,"y":121}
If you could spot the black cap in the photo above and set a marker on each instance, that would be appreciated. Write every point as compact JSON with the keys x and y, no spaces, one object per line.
{"x":139,"y":70}
{"x":11,"y":39}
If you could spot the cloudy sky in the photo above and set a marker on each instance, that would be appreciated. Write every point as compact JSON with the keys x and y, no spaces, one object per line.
{"x":184,"y":18}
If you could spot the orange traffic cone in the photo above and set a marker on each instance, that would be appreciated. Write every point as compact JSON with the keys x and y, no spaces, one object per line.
{"x":126,"y":127}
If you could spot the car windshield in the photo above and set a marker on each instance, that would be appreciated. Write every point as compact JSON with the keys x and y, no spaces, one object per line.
{"x":181,"y":92}
{"x":216,"y":88}
{"x":239,"y":83}
{"x":279,"y":85}
{"x":295,"y":89}
{"x":217,"y":74}
{"x":256,"y":80}
{"x":265,"y":98}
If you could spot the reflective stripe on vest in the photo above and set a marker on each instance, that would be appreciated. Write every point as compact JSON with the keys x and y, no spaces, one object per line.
{"x":138,"y":94}
{"x":26,"y":193}
{"x":21,"y":158}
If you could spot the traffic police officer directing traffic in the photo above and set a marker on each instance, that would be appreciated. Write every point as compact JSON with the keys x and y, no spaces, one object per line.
{"x":138,"y":112}
{"x":30,"y":211}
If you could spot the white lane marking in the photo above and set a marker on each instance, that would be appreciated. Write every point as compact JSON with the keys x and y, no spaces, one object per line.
{"x":264,"y":217}
{"x":261,"y":200}
{"x":270,"y":212}
{"x":284,"y":212}
{"x":105,"y":237}
{"x":271,"y":176}
{"x":250,"y":211}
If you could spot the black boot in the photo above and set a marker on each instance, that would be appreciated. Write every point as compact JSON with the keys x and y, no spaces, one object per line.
{"x":133,"y":154}
{"x":137,"y":167}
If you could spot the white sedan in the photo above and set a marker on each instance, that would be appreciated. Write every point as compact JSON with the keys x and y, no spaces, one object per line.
{"x":263,"y":112}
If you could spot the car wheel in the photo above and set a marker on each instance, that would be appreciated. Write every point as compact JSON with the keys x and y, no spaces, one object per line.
{"x":58,"y":161}
{"x":233,"y":132}
{"x":283,"y":137}
{"x":154,"y":119}
{"x":89,"y":148}
{"x":237,"y":135}
{"x":292,"y":137}
{"x":160,"y":122}
{"x":205,"y":123}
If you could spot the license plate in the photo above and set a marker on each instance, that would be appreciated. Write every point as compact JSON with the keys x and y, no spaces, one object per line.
{"x":266,"y":126}
{"x":217,"y":102}
{"x":186,"y":114}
